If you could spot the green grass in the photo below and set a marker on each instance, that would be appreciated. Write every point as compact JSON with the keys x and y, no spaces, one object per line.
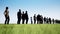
{"x":30,"y":29}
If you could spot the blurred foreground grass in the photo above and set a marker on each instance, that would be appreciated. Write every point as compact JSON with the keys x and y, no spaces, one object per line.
{"x":30,"y":29}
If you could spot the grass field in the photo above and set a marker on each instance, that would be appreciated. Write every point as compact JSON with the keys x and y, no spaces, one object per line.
{"x":30,"y":29}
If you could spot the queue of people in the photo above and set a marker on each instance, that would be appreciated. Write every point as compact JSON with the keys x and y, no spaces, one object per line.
{"x":24,"y":17}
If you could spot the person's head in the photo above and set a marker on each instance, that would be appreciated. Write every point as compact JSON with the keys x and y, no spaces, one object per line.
{"x":38,"y":14}
{"x":26,"y":11}
{"x":44,"y":17}
{"x":6,"y":8}
{"x":19,"y":10}
{"x":23,"y":12}
{"x":31,"y":17}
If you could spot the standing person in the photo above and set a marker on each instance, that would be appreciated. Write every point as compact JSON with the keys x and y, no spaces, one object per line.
{"x":6,"y":13}
{"x":31,"y":20}
{"x":53,"y":21}
{"x":44,"y":19}
{"x":23,"y":18}
{"x":34,"y":18}
{"x":41,"y":19}
{"x":47,"y":20}
{"x":50,"y":20}
{"x":38,"y":19}
{"x":19,"y":16}
{"x":26,"y":17}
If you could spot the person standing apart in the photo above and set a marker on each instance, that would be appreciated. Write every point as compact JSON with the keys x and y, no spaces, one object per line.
{"x":6,"y":14}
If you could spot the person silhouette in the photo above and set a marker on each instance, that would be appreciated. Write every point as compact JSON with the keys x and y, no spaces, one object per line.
{"x":6,"y":14}
{"x":50,"y":20}
{"x":19,"y":16}
{"x":38,"y":19}
{"x":53,"y":21}
{"x":31,"y":20}
{"x":44,"y":19}
{"x":26,"y":17}
{"x":34,"y":18}
{"x":47,"y":20}
{"x":23,"y":18}
{"x":41,"y":19}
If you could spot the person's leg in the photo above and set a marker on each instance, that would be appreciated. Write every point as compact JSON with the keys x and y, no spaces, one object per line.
{"x":31,"y":21}
{"x":37,"y":22}
{"x":34,"y":21}
{"x":18,"y":21}
{"x":42,"y":22}
{"x":5,"y":20}
{"x":23,"y":21}
{"x":53,"y":22}
{"x":47,"y":21}
{"x":50,"y":22}
{"x":26,"y":21}
{"x":8,"y":20}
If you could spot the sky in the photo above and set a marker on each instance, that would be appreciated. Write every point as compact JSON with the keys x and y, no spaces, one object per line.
{"x":47,"y":8}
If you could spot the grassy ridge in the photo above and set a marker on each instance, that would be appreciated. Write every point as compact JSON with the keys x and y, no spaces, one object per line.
{"x":30,"y":29}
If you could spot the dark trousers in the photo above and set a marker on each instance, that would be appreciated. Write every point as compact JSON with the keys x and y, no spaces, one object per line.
{"x":19,"y":19}
{"x":26,"y":21}
{"x":50,"y":22}
{"x":7,"y":19}
{"x":37,"y":22}
{"x":34,"y":21}
{"x":31,"y":22}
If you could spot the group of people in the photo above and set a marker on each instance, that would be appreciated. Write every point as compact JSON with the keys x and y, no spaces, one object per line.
{"x":24,"y":17}
{"x":20,"y":16}
{"x":40,"y":19}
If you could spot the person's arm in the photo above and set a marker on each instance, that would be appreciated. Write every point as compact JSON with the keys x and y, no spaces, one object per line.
{"x":8,"y":13}
{"x":4,"y":13}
